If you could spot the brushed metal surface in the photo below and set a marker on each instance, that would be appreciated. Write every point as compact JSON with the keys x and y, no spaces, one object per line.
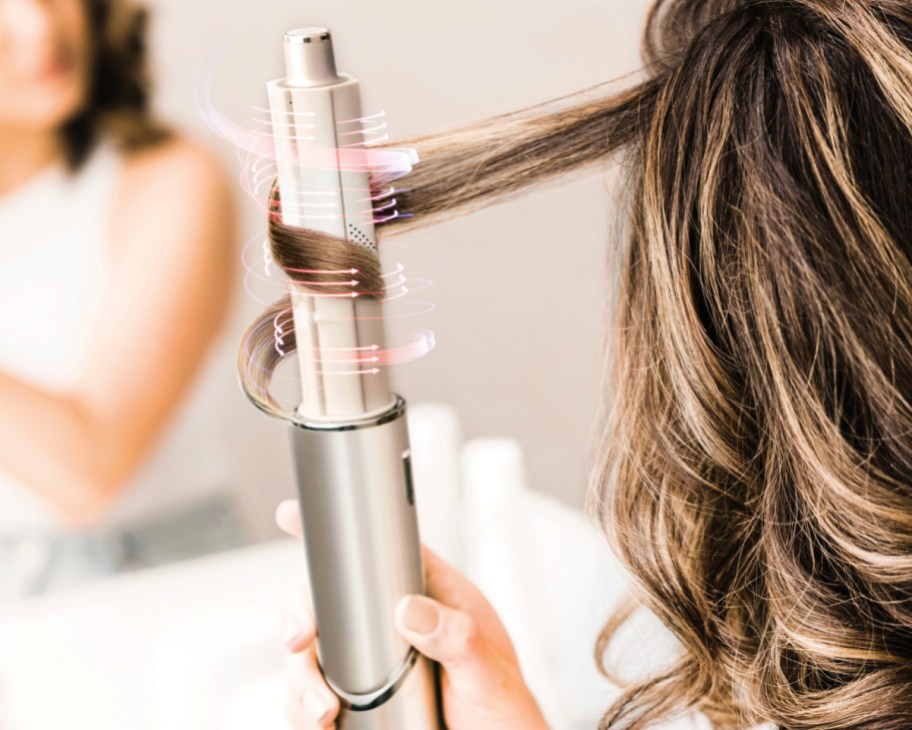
{"x":360,"y":702}
{"x":363,"y":553}
{"x":413,"y":707}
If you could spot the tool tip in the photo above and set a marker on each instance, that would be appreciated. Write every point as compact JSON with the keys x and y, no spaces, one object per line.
{"x":310,"y":34}
{"x":309,"y":59}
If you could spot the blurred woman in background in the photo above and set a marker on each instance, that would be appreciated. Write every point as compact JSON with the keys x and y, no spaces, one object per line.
{"x":116,"y":267}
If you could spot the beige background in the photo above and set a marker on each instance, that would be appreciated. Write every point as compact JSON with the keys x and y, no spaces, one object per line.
{"x":519,"y":288}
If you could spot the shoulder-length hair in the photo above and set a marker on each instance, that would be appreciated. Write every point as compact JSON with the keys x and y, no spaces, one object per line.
{"x":119,"y":87}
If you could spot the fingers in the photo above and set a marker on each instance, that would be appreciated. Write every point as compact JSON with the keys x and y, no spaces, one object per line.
{"x":445,"y":583}
{"x":479,"y":668}
{"x":450,"y":587}
{"x":299,"y":633}
{"x":298,"y":613}
{"x":305,"y":691}
{"x":309,"y":703}
{"x":454,"y":625}
{"x":447,"y":635}
{"x":288,"y":517}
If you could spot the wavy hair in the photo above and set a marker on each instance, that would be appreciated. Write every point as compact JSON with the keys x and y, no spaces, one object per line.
{"x":755,"y":469}
{"x":119,"y":89}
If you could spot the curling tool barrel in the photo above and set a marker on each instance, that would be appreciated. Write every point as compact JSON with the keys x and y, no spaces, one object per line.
{"x":316,"y":114}
{"x":349,"y":435}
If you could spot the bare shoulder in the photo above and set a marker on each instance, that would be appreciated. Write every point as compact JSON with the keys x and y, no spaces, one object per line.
{"x":171,"y":183}
{"x":179,"y":158}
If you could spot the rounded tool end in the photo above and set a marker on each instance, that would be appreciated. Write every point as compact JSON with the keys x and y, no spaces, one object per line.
{"x":309,"y":59}
{"x":307,"y":35}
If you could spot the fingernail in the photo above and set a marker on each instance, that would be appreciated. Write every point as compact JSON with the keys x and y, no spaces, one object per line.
{"x":292,"y":632}
{"x":420,"y":615}
{"x":316,"y":705}
{"x":288,"y":505}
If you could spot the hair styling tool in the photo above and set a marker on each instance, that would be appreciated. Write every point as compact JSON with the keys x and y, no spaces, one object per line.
{"x":349,"y":436}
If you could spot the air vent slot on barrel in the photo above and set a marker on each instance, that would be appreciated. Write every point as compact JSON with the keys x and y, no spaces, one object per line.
{"x":356,"y":235}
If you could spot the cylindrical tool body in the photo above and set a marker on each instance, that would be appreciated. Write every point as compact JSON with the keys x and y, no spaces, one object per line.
{"x":364,"y":554}
{"x":321,"y":190}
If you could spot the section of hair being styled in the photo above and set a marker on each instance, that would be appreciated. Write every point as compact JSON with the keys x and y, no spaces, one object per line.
{"x":461,"y":169}
{"x":755,"y":467}
{"x":118,"y":100}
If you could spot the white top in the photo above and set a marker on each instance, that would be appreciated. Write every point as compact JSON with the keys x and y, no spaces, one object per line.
{"x":54,"y":267}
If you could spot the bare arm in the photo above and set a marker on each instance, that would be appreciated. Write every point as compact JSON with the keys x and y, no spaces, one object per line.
{"x":173,"y":238}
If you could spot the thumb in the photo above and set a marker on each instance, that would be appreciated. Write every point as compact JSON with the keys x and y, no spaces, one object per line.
{"x":446,"y":635}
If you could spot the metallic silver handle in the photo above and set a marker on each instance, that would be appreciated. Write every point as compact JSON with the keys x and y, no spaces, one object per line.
{"x":364,"y":554}
{"x":361,"y":702}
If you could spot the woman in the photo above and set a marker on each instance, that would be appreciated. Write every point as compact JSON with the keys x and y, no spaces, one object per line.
{"x":756,"y":469}
{"x":117,"y":239}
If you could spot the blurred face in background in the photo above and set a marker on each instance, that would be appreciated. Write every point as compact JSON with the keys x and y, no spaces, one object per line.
{"x":44,"y":63}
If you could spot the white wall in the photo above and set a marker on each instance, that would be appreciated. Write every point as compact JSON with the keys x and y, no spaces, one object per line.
{"x":519,"y":288}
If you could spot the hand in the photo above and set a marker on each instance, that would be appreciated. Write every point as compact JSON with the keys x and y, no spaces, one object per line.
{"x":481,"y":681}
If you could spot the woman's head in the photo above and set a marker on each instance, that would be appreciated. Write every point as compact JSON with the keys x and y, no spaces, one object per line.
{"x":44,"y":62}
{"x":76,"y":68}
{"x":756,"y":464}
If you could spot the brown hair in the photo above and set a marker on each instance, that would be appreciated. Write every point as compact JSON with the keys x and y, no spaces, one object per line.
{"x":118,"y":101}
{"x":755,"y":469}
